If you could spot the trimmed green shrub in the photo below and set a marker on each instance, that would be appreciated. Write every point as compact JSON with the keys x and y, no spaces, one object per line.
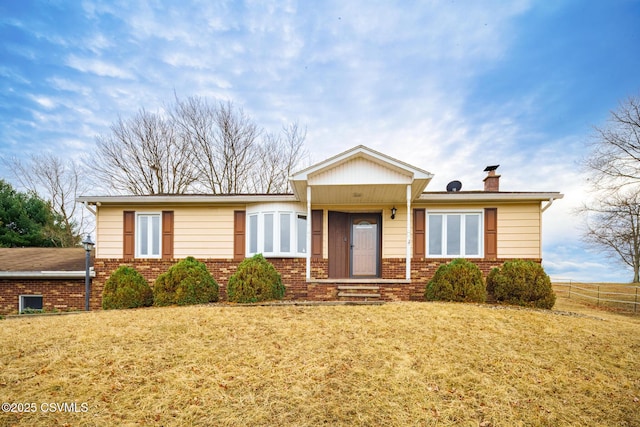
{"x":522,"y":283}
{"x":255,"y":280}
{"x":186,"y":283}
{"x":459,"y":280}
{"x":126,"y":288}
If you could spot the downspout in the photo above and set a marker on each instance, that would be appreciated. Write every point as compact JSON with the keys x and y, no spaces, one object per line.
{"x":308,"y":272}
{"x":544,"y":208}
{"x":86,"y":205}
{"x":548,"y":205}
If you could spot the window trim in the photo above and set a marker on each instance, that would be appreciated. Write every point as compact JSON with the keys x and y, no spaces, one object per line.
{"x":138,"y":230}
{"x":21,"y":306}
{"x":463,"y":213}
{"x":259,"y":238}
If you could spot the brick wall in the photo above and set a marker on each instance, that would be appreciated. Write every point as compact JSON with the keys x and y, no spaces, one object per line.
{"x":57,"y":294}
{"x":293,"y":272}
{"x":68,"y":294}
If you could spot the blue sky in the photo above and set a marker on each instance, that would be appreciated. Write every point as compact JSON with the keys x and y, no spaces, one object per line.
{"x":447,"y":86}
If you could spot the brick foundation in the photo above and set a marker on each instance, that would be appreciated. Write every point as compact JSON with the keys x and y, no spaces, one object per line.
{"x":293,"y":272}
{"x":68,"y":294}
{"x":57,"y":294}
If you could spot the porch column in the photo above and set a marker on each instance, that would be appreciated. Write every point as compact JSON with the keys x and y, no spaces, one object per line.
{"x":408,"y":262}
{"x":308,"y":273}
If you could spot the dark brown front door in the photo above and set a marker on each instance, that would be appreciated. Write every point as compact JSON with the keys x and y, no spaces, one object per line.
{"x":338,"y":245}
{"x":354,"y":245}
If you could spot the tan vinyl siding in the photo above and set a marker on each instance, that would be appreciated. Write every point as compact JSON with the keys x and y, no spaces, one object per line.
{"x":208,"y":231}
{"x":519,"y":228}
{"x":204,"y":232}
{"x":201,"y":232}
{"x":109,"y":232}
{"x":519,"y":231}
{"x":394,"y":233}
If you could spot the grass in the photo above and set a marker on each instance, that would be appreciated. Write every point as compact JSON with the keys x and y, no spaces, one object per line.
{"x":613,"y":296}
{"x":399,"y":364}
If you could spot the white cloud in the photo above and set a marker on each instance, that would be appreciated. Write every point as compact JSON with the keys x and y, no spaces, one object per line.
{"x":98,"y":67}
{"x":43,"y":101}
{"x":63,"y":84}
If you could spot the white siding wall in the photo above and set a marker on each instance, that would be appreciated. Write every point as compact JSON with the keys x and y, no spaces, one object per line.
{"x":359,"y":171}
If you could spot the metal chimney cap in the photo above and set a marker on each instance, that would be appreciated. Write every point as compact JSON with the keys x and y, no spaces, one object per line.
{"x":491,"y":168}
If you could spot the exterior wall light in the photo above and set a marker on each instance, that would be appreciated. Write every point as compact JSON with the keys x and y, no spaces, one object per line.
{"x":393,"y":212}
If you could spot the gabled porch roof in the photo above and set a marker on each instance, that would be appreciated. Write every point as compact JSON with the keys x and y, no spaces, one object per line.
{"x":360,"y":176}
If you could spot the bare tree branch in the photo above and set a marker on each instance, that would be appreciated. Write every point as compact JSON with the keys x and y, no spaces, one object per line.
{"x":613,"y":217}
{"x":197,"y":146}
{"x":143,"y":155}
{"x":59,"y":182}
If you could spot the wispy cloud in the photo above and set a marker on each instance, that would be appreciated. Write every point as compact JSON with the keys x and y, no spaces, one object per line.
{"x":98,"y":67}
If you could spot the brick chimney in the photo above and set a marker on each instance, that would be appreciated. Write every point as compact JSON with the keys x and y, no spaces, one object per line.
{"x":491,"y":181}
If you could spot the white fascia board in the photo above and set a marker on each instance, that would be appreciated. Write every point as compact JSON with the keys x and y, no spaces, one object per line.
{"x":461,"y":197}
{"x":46,"y":274}
{"x":186,"y":199}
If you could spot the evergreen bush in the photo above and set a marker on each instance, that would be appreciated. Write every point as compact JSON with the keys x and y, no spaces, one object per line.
{"x":126,"y":288}
{"x":459,"y":280}
{"x":522,"y":283}
{"x":186,"y":283}
{"x":255,"y":280}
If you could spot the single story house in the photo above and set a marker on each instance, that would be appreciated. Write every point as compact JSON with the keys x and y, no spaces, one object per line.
{"x":49,"y":279}
{"x":358,"y":225}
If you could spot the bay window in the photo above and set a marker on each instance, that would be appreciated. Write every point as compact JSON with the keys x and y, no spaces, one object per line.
{"x":277,"y":233}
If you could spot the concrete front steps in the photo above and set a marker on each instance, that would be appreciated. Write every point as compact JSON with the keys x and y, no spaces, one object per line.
{"x":359,"y":292}
{"x":366,"y":291}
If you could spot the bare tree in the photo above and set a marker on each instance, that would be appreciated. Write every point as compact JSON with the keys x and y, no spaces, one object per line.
{"x":143,"y":155}
{"x":615,"y":157}
{"x":613,"y":216}
{"x":613,"y":224}
{"x":58,"y":182}
{"x":226,"y":141}
{"x":279,"y":155}
{"x":197,"y":146}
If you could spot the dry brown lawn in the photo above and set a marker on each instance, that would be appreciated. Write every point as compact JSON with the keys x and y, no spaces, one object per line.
{"x":614,"y":296}
{"x":400,"y":364}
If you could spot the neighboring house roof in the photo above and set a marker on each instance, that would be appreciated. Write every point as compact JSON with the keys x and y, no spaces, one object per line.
{"x":43,"y":262}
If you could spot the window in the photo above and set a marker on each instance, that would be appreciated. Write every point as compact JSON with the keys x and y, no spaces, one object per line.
{"x":268,"y":232}
{"x":302,"y":233}
{"x":277,"y":233}
{"x":30,"y":302}
{"x":285,"y":232}
{"x":454,"y":234}
{"x":148,"y":235}
{"x":253,"y":234}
